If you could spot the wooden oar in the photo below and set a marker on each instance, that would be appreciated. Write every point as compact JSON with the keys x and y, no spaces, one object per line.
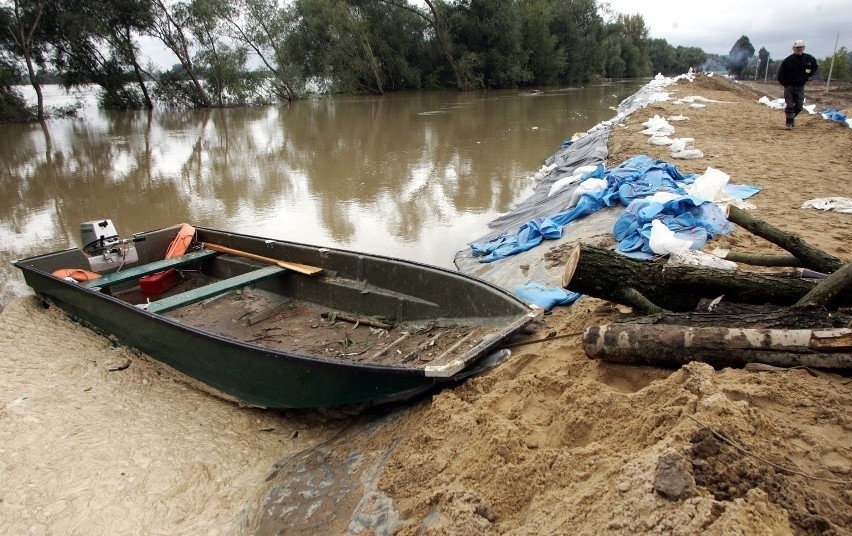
{"x":296,"y":267}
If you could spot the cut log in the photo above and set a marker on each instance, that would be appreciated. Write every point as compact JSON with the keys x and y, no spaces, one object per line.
{"x":605,"y":274}
{"x":812,"y":257}
{"x":674,"y":346}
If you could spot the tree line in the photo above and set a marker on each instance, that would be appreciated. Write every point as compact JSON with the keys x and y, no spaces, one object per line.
{"x":256,"y":51}
{"x":240,"y":52}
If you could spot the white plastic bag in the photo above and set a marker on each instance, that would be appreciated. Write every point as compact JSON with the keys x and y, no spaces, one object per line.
{"x":688,"y":154}
{"x":659,"y":140}
{"x":588,"y":186}
{"x":710,"y":185}
{"x":664,"y":242}
{"x":680,"y":144}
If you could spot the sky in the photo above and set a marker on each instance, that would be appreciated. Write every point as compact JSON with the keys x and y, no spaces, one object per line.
{"x":772,"y":25}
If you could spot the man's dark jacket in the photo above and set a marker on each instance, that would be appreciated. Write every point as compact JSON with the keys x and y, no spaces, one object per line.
{"x":796,"y":70}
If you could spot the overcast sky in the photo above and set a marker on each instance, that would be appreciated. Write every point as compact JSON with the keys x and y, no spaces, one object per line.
{"x":773,"y":25}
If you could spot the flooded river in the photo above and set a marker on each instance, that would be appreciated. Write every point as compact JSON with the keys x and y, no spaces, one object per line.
{"x":412,"y":175}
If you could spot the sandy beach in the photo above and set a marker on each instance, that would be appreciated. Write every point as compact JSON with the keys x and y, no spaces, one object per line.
{"x":97,"y":439}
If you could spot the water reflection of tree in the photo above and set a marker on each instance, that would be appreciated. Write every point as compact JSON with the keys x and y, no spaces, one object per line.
{"x":416,"y":162}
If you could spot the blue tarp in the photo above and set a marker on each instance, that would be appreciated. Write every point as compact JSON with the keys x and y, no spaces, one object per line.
{"x":545,"y":297}
{"x":833,"y":115}
{"x":627,"y":185}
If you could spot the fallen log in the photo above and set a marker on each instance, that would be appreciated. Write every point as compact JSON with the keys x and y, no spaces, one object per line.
{"x":605,"y":274}
{"x":727,"y":314}
{"x":674,"y":346}
{"x":828,"y":288}
{"x":812,"y":257}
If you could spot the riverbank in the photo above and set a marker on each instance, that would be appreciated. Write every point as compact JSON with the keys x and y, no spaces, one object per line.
{"x":554,"y":443}
{"x":96,"y":439}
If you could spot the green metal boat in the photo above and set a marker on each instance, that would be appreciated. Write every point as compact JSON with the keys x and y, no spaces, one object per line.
{"x":277,"y":324}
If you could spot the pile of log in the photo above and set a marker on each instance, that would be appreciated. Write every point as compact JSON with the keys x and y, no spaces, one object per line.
{"x":722,"y":317}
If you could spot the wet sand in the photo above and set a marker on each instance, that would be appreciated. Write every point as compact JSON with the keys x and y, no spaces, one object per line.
{"x":97,"y":439}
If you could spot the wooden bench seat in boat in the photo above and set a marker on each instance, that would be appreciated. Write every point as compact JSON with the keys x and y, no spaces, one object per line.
{"x":136,"y":272}
{"x":208,"y":291}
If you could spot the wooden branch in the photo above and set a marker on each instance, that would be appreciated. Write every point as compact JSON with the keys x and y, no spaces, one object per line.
{"x":605,"y":274}
{"x":755,"y":259}
{"x":811,"y":257}
{"x":829,"y":287}
{"x":669,"y":345}
{"x":357,"y":320}
{"x":632,"y":297}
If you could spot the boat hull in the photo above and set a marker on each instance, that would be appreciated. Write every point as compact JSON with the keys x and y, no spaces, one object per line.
{"x":259,"y":376}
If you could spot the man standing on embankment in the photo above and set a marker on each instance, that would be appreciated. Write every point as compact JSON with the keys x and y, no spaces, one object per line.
{"x":794,"y":73}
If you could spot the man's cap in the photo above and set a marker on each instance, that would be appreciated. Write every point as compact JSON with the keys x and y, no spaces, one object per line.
{"x":798,"y":43}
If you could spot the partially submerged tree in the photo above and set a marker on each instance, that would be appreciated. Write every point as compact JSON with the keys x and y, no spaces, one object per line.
{"x":23,"y":22}
{"x":13,"y":107}
{"x":171,"y":24}
{"x":93,"y":43}
{"x":435,"y":15}
{"x":263,"y":28}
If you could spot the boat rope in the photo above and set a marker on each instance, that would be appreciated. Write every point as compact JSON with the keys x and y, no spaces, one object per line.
{"x":548,"y":338}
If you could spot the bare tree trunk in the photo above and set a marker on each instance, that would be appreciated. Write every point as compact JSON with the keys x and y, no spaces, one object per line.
{"x":671,"y":345}
{"x":172,"y":35}
{"x":24,"y":39}
{"x":130,"y":54}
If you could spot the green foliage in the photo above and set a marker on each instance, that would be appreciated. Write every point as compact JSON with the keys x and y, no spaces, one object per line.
{"x":739,"y":56}
{"x":175,"y":90}
{"x":762,"y":61}
{"x":690,"y":58}
{"x":13,"y":107}
{"x":579,"y":30}
{"x":662,"y":56}
{"x":544,"y":58}
{"x":487,"y":33}
{"x":331,"y":44}
{"x":253,"y":51}
{"x":841,"y":68}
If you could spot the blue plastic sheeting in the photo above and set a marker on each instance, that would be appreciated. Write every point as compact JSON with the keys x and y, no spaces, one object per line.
{"x":690,"y":218}
{"x":833,"y":115}
{"x":741,"y":191}
{"x":635,"y":179}
{"x":545,"y":297}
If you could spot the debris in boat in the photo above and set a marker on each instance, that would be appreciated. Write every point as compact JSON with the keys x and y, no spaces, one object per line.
{"x":375,"y":322}
{"x":119,"y":366}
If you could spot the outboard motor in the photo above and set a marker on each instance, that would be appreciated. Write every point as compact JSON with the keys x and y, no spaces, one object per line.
{"x":105,"y":248}
{"x":98,"y":236}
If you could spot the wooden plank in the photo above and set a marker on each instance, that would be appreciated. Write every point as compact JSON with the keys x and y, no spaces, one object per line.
{"x":202,"y":293}
{"x":295,"y":266}
{"x":136,"y":272}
